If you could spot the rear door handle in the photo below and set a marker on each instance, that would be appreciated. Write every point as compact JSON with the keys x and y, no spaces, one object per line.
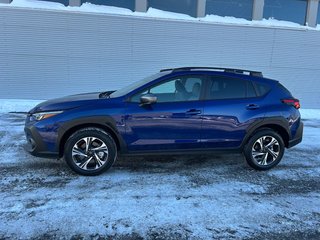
{"x":193,"y":112}
{"x":252,"y":106}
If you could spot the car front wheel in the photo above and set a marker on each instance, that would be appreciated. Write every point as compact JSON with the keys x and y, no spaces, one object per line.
{"x":264,"y":150}
{"x":90,"y":151}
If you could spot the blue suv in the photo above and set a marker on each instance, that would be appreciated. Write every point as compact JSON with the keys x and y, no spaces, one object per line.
{"x":176,"y":111}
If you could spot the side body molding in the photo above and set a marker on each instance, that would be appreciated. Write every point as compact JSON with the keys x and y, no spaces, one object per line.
{"x":278,"y":122}
{"x":115,"y":127}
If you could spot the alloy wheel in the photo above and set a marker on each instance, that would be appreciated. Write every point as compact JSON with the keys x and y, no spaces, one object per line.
{"x":265,"y":150}
{"x":90,"y":153}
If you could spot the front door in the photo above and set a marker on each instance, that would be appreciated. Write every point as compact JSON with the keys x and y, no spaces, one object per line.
{"x":172,"y":123}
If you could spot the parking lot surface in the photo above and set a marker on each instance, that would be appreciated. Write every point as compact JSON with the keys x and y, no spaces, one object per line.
{"x":167,"y":197}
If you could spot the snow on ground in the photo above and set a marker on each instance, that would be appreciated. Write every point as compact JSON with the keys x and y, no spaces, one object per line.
{"x":176,"y":197}
{"x":311,"y":118}
{"x":153,"y":13}
{"x":17,"y":105}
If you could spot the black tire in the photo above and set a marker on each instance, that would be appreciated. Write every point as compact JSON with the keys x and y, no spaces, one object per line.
{"x":90,"y":151}
{"x":268,"y":156}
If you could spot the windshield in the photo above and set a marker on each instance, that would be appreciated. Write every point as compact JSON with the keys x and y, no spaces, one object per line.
{"x":129,"y":88}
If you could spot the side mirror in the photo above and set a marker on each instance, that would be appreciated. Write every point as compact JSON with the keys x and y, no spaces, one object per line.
{"x":148,"y":99}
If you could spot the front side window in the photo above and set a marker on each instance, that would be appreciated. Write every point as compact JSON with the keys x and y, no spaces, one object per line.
{"x":129,"y":88}
{"x":230,"y":8}
{"x":178,"y":89}
{"x":287,"y":10}
{"x":229,"y":88}
{"x":164,"y":88}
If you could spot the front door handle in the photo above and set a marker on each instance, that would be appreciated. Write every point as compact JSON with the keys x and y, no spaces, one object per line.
{"x":252,"y":106}
{"x":193,"y":112}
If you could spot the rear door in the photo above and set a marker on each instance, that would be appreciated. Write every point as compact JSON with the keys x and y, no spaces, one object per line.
{"x":231,"y":105}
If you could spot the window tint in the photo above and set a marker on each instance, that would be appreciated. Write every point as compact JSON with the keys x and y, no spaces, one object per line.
{"x":234,"y":8}
{"x":168,"y":87}
{"x":229,"y":88}
{"x":182,"y":6}
{"x":174,"y":90}
{"x":191,"y":83}
{"x":262,"y":89}
{"x":250,"y":90}
{"x":115,"y":3}
{"x":129,"y":88}
{"x":286,"y":91}
{"x":288,"y":10}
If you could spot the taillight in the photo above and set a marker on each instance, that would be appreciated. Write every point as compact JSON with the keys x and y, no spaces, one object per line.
{"x":292,"y":101}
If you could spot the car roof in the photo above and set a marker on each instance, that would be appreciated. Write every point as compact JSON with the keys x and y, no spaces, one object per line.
{"x":217,"y":69}
{"x":246,"y":74}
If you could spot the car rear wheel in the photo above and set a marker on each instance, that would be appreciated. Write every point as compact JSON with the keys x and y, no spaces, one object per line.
{"x":264,"y":150}
{"x":90,"y":151}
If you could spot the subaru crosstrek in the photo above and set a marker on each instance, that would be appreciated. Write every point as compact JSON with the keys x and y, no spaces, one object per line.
{"x":176,"y":111}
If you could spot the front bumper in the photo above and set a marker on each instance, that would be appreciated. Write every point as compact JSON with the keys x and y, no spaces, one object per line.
{"x":35,"y":145}
{"x":298,"y":137}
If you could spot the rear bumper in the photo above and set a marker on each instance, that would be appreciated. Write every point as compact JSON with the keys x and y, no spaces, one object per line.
{"x":298,"y":137}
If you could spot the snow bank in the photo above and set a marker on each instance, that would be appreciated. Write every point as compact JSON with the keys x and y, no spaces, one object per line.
{"x":311,"y":130}
{"x":310,"y":114}
{"x":157,"y":13}
{"x":36,"y":4}
{"x":89,"y":7}
{"x":17,"y":105}
{"x":154,"y":13}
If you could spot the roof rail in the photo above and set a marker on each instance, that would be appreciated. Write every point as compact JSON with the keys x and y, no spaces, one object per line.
{"x":230,"y":70}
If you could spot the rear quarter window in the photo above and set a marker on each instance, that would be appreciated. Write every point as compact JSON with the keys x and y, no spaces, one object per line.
{"x":262,"y":89}
{"x":284,"y":90}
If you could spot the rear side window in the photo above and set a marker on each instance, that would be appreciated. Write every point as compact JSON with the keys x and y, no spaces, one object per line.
{"x":229,"y":88}
{"x":262,"y":89}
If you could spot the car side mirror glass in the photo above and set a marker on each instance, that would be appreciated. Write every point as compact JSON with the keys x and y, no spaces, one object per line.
{"x":148,"y":99}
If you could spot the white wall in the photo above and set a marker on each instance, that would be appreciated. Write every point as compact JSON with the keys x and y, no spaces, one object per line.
{"x":45,"y":54}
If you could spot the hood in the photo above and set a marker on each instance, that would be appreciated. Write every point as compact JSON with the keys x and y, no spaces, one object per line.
{"x":65,"y":103}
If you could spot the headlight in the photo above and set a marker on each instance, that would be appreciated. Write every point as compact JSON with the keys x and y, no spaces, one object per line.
{"x":43,"y":115}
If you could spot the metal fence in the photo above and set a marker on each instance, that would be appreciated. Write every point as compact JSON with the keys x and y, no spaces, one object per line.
{"x":49,"y":53}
